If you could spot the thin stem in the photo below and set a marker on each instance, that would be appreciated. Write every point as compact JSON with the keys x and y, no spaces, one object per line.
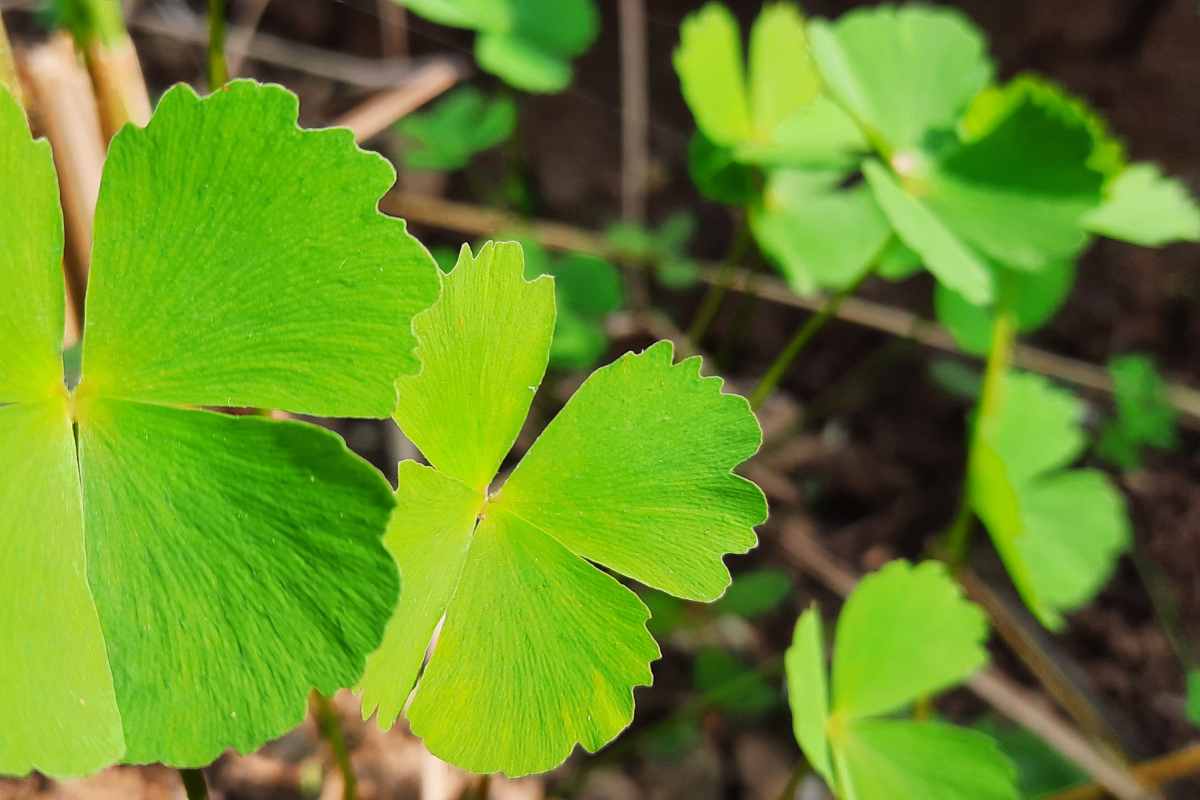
{"x":194,"y":784}
{"x":783,"y":361}
{"x":957,"y":539}
{"x":218,"y":70}
{"x":1155,"y":772}
{"x":711,"y":303}
{"x":330,"y":728}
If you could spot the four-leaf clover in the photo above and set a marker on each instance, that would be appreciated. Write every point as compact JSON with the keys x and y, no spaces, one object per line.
{"x":540,"y":649}
{"x":175,"y":581}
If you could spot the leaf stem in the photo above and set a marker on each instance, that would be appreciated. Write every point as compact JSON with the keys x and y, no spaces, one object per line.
{"x":218,"y":71}
{"x":800,"y":340}
{"x":711,"y":303}
{"x":330,"y":728}
{"x":957,"y":539}
{"x":194,"y":784}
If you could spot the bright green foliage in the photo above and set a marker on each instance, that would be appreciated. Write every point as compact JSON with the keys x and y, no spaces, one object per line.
{"x":663,"y":248}
{"x":820,"y":236}
{"x":755,"y":593}
{"x":31,"y":243}
{"x":1041,"y":770}
{"x":539,"y":649}
{"x":905,"y":633}
{"x":269,"y":338}
{"x":460,"y":125}
{"x":731,"y":685}
{"x":202,"y":586}
{"x":777,"y":117}
{"x":772,"y":111}
{"x":587,"y":289}
{"x":953,"y":263}
{"x":1059,"y":531}
{"x":1145,"y":416}
{"x":1019,"y":204}
{"x":1033,"y":298}
{"x":1145,"y":207}
{"x":901,"y":72}
{"x":528,"y":43}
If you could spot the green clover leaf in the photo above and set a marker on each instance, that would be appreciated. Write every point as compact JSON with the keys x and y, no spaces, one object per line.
{"x":540,"y":649}
{"x":463,"y":123}
{"x":527,"y":43}
{"x":195,"y":562}
{"x":1021,"y":204}
{"x":1145,"y":416}
{"x":1032,"y":297}
{"x":771,"y":111}
{"x":902,"y":72}
{"x":904,"y":633}
{"x":821,"y":237}
{"x":1144,"y":207}
{"x":1059,"y":531}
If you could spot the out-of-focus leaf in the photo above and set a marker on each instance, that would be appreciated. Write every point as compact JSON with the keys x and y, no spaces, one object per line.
{"x":1033,"y":297}
{"x":1059,"y":531}
{"x":712,"y":75}
{"x":951,"y":261}
{"x":1145,"y":416}
{"x":457,"y":127}
{"x":755,"y":593}
{"x":771,"y":112}
{"x":821,"y":236}
{"x":1145,"y":207}
{"x":1041,"y":771}
{"x":1032,"y":163}
{"x":902,"y":72}
{"x":527,"y":43}
{"x":956,"y":377}
{"x":898,"y":261}
{"x":731,"y":684}
{"x":717,"y":175}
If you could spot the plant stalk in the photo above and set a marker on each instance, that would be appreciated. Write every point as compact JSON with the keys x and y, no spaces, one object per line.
{"x":218,"y":69}
{"x":800,"y":340}
{"x":330,"y":728}
{"x":957,"y":539}
{"x":711,"y":303}
{"x":194,"y":784}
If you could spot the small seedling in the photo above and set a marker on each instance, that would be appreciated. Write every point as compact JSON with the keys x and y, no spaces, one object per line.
{"x":539,"y":649}
{"x":527,"y":43}
{"x":1144,"y":418}
{"x":904,"y":634}
{"x":195,"y":564}
{"x":458,"y":127}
